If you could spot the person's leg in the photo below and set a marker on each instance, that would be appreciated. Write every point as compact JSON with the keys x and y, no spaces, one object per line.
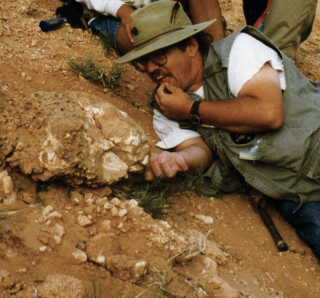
{"x":206,"y":10}
{"x":199,"y":12}
{"x":107,"y":26}
{"x":286,"y":21}
{"x":306,"y":220}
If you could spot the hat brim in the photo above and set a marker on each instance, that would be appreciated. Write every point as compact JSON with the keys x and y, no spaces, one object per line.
{"x":163,"y":41}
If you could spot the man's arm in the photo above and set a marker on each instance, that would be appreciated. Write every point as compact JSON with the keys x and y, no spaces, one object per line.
{"x":191,"y":155}
{"x":257,"y":108}
{"x":206,"y":10}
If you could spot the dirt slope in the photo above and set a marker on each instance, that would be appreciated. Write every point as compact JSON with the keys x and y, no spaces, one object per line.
{"x":30,"y":61}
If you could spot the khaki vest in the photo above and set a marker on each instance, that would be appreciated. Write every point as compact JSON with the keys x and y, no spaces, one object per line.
{"x":287,"y":164}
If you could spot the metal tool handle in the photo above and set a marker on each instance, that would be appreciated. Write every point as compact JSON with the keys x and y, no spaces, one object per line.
{"x":281,"y":245}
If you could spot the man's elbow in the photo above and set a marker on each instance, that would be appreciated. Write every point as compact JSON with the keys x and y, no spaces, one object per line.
{"x":275,"y":121}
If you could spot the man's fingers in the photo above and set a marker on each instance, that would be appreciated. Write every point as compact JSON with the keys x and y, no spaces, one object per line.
{"x":170,"y":88}
{"x":129,"y":34}
{"x":167,"y":169}
{"x":157,"y":171}
{"x":165,"y":89}
{"x":182,"y":164}
{"x":148,"y":174}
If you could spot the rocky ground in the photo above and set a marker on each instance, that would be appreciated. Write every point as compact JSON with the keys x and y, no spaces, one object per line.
{"x":78,"y":241}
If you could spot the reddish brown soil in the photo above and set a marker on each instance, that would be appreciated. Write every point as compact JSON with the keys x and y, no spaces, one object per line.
{"x":30,"y":61}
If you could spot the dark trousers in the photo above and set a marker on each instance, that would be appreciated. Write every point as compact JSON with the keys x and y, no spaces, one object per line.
{"x":306,"y":221}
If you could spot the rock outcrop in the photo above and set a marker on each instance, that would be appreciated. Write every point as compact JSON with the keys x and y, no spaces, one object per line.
{"x":73,"y":136}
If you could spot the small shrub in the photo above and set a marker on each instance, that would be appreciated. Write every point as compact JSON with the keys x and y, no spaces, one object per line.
{"x":106,"y":42}
{"x":154,"y":196}
{"x":87,"y":68}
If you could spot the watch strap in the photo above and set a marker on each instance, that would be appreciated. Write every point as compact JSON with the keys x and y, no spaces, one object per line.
{"x":194,"y":113}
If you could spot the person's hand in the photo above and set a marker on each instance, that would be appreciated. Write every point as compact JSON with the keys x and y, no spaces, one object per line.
{"x":173,"y":102}
{"x":165,"y":164}
{"x":123,"y":14}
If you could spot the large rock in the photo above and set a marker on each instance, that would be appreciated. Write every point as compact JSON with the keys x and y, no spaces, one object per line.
{"x":61,"y":286}
{"x":75,"y":136}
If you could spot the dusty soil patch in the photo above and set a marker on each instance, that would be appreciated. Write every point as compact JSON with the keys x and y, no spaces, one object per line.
{"x":245,"y":259}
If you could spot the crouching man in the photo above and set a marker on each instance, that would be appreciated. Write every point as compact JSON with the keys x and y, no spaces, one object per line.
{"x":237,"y":108}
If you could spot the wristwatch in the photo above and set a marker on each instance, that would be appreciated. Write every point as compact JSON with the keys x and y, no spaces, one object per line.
{"x":194,"y":116}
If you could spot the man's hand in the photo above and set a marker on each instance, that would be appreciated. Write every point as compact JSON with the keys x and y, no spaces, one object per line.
{"x":165,"y":164}
{"x":123,"y":14}
{"x":173,"y":102}
{"x":191,"y":155}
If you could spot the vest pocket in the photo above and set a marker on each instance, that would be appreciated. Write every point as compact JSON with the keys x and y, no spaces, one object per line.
{"x":286,"y":147}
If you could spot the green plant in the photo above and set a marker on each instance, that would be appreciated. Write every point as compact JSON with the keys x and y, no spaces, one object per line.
{"x":112,"y":78}
{"x":41,"y":187}
{"x":106,"y":41}
{"x":154,"y":196}
{"x":87,"y":68}
{"x":20,"y":185}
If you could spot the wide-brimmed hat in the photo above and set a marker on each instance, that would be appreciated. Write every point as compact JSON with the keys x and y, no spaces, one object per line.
{"x":158,"y":25}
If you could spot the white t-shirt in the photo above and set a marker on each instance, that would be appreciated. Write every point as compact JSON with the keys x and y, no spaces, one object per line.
{"x":247,"y":56}
{"x":105,"y":7}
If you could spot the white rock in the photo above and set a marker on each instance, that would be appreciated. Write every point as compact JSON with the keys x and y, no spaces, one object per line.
{"x":55,"y":214}
{"x":80,"y":255}
{"x":133,"y":203}
{"x":84,"y":221}
{"x":107,"y":206}
{"x":115,"y":201}
{"x":48,"y":222}
{"x":42,"y":218}
{"x":123,"y":212}
{"x":106,"y":225}
{"x":59,"y":230}
{"x":165,"y":224}
{"x":101,"y":259}
{"x":114,"y":211}
{"x":206,"y":219}
{"x":90,"y":201}
{"x":42,"y":248}
{"x":101,"y":201}
{"x":6,"y":183}
{"x":57,"y":239}
{"x":23,"y":270}
{"x":47,"y":210}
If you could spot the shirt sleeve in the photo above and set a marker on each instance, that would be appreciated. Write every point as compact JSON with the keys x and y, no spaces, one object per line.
{"x":105,"y":7}
{"x":247,"y":56}
{"x":169,"y":132}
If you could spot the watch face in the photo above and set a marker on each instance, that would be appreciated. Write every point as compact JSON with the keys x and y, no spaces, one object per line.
{"x":195,"y":119}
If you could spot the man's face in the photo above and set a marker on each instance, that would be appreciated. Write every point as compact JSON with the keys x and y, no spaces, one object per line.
{"x":177,"y":69}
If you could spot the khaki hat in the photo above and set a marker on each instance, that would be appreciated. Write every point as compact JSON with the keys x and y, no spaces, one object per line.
{"x":158,"y":25}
